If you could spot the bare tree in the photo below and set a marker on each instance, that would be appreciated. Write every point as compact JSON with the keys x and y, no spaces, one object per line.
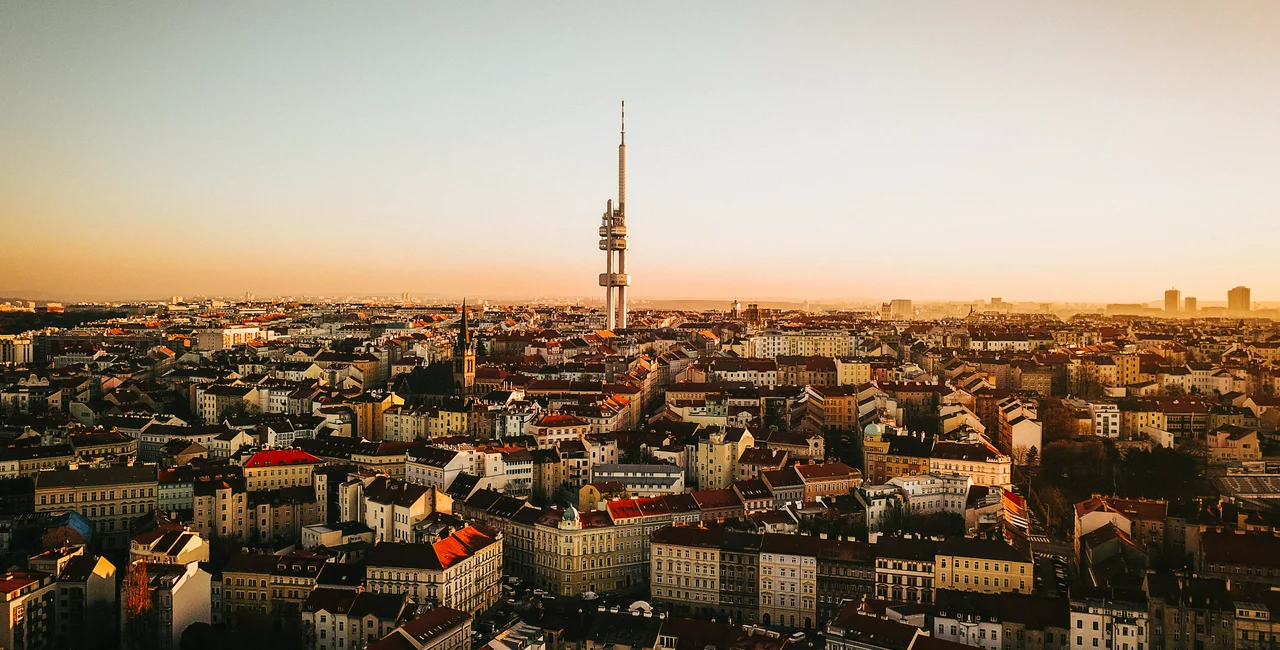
{"x":1020,"y":455}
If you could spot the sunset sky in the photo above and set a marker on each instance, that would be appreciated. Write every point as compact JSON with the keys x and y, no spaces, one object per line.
{"x":1059,"y":151}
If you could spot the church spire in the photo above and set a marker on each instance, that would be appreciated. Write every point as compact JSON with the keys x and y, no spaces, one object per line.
{"x":464,"y":337}
{"x":464,"y":357}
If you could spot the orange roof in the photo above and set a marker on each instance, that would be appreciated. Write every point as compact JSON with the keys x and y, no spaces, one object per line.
{"x":460,"y":545}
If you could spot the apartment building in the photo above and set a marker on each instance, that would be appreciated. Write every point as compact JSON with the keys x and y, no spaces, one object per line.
{"x":180,"y":596}
{"x":18,"y":461}
{"x":740,"y":576}
{"x":436,"y":466}
{"x":220,"y":508}
{"x":703,"y":571}
{"x":933,"y":493}
{"x":642,"y":480}
{"x":462,"y":570}
{"x":276,"y":468}
{"x":282,"y":513}
{"x":686,"y":569}
{"x":1250,"y":561}
{"x":834,"y":407}
{"x":551,"y":428}
{"x":348,"y":619}
{"x":886,"y":456}
{"x":1230,"y":444}
{"x":569,"y":552}
{"x":789,"y":580}
{"x":757,"y":372}
{"x":215,"y":402}
{"x":772,"y":343}
{"x":112,"y":497}
{"x":269,"y":583}
{"x":718,"y":451}
{"x":1106,"y":419}
{"x":828,"y":480}
{"x":786,"y":485}
{"x":169,"y":544}
{"x":982,"y":565}
{"x":852,"y":371}
{"x":1113,"y":618}
{"x":83,"y":581}
{"x":1190,"y":612}
{"x":846,"y":572}
{"x":1019,"y":428}
{"x":1142,"y":519}
{"x":1257,"y":623}
{"x":1001,"y":621}
{"x":905,"y":569}
{"x":27,"y":609}
{"x":441,"y":628}
{"x":389,"y":507}
{"x":981,"y":461}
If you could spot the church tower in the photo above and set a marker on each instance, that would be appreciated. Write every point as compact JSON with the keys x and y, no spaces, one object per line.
{"x":464,"y":358}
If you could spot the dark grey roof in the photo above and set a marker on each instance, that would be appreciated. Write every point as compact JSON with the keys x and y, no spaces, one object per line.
{"x":96,"y":476}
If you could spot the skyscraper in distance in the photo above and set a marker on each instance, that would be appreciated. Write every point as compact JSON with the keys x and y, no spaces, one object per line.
{"x":1171,"y":299}
{"x":901,"y":309}
{"x":1238,"y":299}
{"x":1190,"y":305}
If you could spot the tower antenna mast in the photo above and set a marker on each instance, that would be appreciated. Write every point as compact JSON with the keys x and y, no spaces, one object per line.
{"x":613,"y":241}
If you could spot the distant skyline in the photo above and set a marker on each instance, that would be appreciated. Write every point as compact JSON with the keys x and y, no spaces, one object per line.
{"x":1061,"y":152}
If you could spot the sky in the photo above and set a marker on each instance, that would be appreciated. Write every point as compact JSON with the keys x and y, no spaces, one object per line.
{"x":1055,"y":151}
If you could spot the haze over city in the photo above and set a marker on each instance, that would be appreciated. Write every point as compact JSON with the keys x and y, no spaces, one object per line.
{"x":1071,"y":152}
{"x":723,"y":325}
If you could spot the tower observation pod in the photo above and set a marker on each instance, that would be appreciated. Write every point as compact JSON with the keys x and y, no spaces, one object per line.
{"x":613,"y":241}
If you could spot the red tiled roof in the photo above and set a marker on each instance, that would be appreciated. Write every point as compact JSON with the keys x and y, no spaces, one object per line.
{"x":15,"y":580}
{"x":623,"y":509}
{"x":1245,"y":550}
{"x":560,"y":420}
{"x":274,"y":457}
{"x":1138,"y":509}
{"x":824,"y":471}
{"x":725,"y":498}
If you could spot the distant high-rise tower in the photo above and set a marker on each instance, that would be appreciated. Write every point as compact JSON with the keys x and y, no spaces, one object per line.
{"x":1171,"y":299}
{"x":900,"y":309}
{"x":464,"y":357}
{"x":1190,"y":305}
{"x":613,"y":241}
{"x":1238,"y":299}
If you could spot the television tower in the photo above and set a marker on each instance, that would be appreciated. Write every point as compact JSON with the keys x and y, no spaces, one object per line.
{"x":613,"y":241}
